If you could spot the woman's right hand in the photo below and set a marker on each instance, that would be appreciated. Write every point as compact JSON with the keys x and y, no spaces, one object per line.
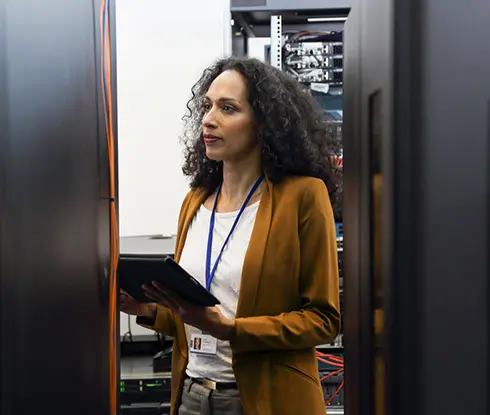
{"x":129,"y":305}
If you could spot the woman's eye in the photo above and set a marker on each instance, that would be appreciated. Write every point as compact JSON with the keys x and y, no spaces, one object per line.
{"x":228,"y":108}
{"x":206,"y":107}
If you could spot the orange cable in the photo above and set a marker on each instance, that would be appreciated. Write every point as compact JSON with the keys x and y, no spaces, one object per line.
{"x":332,"y":357}
{"x":329,"y":354}
{"x":331,"y":374}
{"x":114,"y":239}
{"x":329,"y":358}
{"x":335,"y":364}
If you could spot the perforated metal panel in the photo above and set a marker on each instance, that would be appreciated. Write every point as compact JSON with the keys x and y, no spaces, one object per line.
{"x":276,"y":41}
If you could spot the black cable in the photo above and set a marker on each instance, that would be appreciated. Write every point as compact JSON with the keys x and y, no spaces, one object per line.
{"x":129,"y":328}
{"x":129,"y":333}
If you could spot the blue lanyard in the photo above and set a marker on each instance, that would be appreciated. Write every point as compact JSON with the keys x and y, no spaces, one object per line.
{"x":209,"y":272}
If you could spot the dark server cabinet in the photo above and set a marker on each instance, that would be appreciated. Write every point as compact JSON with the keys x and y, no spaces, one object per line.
{"x":416,"y":207}
{"x":54,"y":212}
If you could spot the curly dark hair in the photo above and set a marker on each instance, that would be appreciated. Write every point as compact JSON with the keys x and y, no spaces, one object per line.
{"x":297,"y":137}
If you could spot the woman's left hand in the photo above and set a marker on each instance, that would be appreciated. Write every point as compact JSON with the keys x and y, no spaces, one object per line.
{"x":209,"y":320}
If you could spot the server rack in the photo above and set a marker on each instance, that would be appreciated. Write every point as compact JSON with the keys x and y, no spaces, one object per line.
{"x":54,"y":209}
{"x":315,"y":59}
{"x":416,"y":142}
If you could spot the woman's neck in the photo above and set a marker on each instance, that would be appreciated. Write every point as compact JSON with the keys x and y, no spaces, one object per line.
{"x":238,"y":179}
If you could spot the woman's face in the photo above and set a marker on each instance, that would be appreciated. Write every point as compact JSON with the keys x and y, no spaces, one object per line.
{"x":228,"y":121}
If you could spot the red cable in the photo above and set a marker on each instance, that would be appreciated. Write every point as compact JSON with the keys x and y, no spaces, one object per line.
{"x":331,"y":374}
{"x":331,"y":357}
{"x":338,"y":362}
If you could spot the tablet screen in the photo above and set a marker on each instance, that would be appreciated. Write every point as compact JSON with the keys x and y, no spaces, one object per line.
{"x":136,"y":270}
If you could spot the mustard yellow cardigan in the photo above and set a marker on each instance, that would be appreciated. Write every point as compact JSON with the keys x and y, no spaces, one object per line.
{"x":288,"y":301}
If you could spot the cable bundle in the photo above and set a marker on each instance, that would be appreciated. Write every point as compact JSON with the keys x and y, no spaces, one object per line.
{"x":334,"y":361}
{"x":106,"y":85}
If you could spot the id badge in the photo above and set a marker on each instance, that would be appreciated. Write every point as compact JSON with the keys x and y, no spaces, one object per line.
{"x":203,"y":344}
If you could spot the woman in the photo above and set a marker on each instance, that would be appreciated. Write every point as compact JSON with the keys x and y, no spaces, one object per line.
{"x":257,"y":229}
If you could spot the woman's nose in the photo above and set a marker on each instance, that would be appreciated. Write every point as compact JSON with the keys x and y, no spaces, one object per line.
{"x":209,"y":119}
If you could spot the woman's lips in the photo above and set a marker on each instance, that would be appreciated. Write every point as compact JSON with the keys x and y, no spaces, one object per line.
{"x":211,"y":139}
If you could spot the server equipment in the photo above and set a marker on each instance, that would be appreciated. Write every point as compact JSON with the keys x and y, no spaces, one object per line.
{"x":143,"y":390}
{"x":416,"y":214}
{"x":313,"y":55}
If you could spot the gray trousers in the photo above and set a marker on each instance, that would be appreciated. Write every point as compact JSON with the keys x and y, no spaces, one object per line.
{"x":199,"y":400}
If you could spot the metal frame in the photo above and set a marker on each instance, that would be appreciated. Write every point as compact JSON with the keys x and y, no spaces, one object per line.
{"x":238,"y":17}
{"x":104,"y":179}
{"x":6,"y":323}
{"x":239,"y":42}
{"x":276,"y":41}
{"x":358,"y":319}
{"x":288,"y":5}
{"x":227,"y":35}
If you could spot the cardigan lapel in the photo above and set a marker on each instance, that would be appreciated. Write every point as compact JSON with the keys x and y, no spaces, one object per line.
{"x":195,"y":201}
{"x":252,"y":266}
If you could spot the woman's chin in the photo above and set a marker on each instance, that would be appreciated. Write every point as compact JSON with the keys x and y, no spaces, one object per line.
{"x":214,"y":154}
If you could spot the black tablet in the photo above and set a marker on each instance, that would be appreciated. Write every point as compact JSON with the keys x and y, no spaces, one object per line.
{"x":136,"y":270}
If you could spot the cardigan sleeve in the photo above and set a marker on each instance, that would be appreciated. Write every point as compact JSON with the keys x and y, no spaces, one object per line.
{"x":318,"y":320}
{"x":164,"y":321}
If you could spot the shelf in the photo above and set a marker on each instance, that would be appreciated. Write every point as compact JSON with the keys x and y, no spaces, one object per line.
{"x":289,"y":5}
{"x":254,"y":22}
{"x":335,"y":411}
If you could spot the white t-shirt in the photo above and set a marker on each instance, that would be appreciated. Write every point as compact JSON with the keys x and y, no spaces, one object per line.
{"x":225,"y":285}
